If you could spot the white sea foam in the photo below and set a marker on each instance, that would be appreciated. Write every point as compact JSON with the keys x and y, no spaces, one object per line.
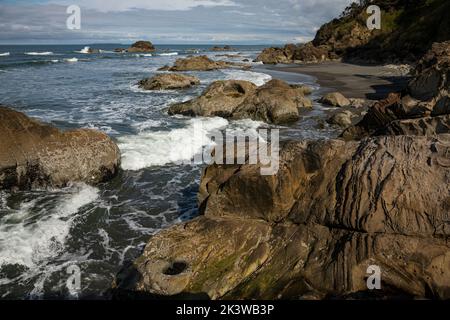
{"x":148,"y":148}
{"x":4,"y":54}
{"x":85,"y":50}
{"x":143,"y":55}
{"x":71,"y":60}
{"x":28,"y":241}
{"x":47,"y":53}
{"x":169,"y":54}
{"x":142,"y":126}
{"x":256,"y":77}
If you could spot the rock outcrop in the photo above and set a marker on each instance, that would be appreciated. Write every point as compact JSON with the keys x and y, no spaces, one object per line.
{"x":422,"y":109}
{"x":36,"y":155}
{"x":141,"y":46}
{"x":312,"y":230}
{"x":275,"y":102}
{"x":201,"y":63}
{"x":168,"y":81}
{"x":291,"y":53}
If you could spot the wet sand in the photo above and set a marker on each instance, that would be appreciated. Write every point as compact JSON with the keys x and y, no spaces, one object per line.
{"x":353,"y":81}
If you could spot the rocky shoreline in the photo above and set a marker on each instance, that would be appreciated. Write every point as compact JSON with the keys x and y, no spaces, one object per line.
{"x":378,"y":197}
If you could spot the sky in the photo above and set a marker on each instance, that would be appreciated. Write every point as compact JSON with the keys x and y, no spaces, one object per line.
{"x":166,"y":21}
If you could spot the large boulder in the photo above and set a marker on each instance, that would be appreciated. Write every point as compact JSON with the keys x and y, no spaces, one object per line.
{"x":312,"y":230}
{"x":141,"y":46}
{"x":169,"y":81}
{"x":200,"y":63}
{"x":220,"y":99}
{"x":275,"y":102}
{"x":35,"y":155}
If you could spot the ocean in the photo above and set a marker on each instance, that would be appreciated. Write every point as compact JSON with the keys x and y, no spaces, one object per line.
{"x":99,"y":229}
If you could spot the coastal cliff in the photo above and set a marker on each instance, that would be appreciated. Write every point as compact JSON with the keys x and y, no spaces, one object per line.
{"x":408,"y":28}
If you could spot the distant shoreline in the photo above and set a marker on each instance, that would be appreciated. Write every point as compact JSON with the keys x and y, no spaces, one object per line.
{"x":354,"y":81}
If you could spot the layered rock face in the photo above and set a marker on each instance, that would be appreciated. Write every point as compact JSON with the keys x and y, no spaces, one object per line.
{"x":141,"y":46}
{"x":35,"y":155}
{"x":169,"y":82}
{"x":275,"y":102}
{"x":424,"y":109}
{"x":312,"y":230}
{"x":200,"y":63}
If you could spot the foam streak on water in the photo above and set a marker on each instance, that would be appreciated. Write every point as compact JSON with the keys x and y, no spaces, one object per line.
{"x":29,"y":237}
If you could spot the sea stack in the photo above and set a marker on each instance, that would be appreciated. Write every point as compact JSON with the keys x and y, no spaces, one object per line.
{"x":142,"y":46}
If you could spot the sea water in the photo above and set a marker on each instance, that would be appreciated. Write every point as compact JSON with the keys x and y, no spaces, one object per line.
{"x":43,"y":232}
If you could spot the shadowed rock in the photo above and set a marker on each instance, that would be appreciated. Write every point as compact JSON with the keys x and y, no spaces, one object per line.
{"x":35,"y":155}
{"x":427,"y":96}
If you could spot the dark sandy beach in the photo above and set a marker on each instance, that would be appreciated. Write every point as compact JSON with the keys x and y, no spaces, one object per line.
{"x":354,"y":81}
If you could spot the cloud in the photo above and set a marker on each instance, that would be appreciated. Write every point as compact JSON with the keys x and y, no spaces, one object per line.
{"x":168,"y":21}
{"x":163,"y":5}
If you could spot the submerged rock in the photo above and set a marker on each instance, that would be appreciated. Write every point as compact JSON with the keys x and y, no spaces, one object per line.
{"x":168,"y":82}
{"x":35,"y":155}
{"x":312,"y":230}
{"x":275,"y":102}
{"x":141,"y":46}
